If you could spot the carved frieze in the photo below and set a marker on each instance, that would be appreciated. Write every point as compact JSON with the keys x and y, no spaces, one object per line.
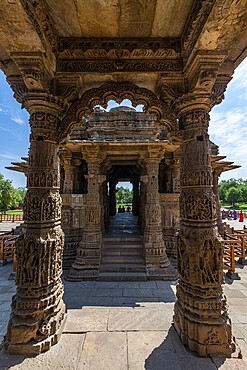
{"x":194,"y":25}
{"x":123,"y":65}
{"x":47,"y":179}
{"x":156,"y":45}
{"x":43,"y":23}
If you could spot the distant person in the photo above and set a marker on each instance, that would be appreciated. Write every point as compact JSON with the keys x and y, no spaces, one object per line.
{"x":241,"y":216}
{"x":123,"y":209}
{"x":128,"y":209}
{"x":223,"y":214}
{"x":235,"y":215}
{"x":229,"y":216}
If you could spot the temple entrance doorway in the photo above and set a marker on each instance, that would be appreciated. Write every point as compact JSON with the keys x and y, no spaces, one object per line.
{"x":123,"y":256}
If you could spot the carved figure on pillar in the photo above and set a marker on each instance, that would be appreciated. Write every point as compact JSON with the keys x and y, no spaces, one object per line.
{"x":158,"y":264}
{"x":38,"y":311}
{"x":200,"y":317}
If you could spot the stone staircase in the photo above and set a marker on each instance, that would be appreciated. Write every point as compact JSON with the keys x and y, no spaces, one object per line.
{"x":122,"y":258}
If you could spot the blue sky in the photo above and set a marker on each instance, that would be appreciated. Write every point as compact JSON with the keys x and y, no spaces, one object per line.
{"x":228,"y":127}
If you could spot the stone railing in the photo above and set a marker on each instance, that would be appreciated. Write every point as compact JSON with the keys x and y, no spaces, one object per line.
{"x":11,"y":218}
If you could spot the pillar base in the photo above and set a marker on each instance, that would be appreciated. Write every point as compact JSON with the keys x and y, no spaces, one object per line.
{"x":162,"y":273}
{"x":33,"y":347}
{"x":233,"y":275}
{"x":201,"y":320}
{"x":243,"y":261}
{"x":35,"y":330}
{"x":213,"y":345}
{"x":82,"y":274}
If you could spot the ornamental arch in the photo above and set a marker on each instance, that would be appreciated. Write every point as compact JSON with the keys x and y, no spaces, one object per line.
{"x":118,"y":92}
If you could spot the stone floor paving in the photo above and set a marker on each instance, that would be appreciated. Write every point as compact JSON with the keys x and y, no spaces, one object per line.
{"x":124,"y":325}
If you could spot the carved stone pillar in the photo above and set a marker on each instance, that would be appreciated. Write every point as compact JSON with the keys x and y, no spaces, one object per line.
{"x":86,"y":265}
{"x":158,"y":264}
{"x":38,"y":312}
{"x":200,"y":317}
{"x":69,"y":175}
{"x":136,"y":197}
{"x":76,"y":182}
{"x":216,"y":175}
{"x":141,"y":220}
{"x":112,"y":196}
{"x":176,"y":174}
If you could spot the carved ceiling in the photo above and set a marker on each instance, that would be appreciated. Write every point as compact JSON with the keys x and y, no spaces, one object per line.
{"x":83,"y":44}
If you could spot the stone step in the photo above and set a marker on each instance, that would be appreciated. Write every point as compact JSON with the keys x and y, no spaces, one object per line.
{"x":122,"y":259}
{"x":122,"y":276}
{"x":121,"y":267}
{"x":119,"y":245}
{"x":118,"y":251}
{"x":123,"y":239}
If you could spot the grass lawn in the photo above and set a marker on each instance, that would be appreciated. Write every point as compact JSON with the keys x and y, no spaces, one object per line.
{"x":13,"y":212}
{"x":239,"y":206}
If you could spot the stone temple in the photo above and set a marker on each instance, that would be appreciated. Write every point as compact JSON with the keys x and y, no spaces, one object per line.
{"x":63,"y":61}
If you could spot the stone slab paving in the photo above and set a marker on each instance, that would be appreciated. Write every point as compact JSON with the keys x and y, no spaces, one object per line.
{"x":124,"y":325}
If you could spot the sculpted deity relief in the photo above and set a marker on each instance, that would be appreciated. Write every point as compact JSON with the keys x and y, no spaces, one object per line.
{"x":39,"y":260}
{"x":200,"y":257}
{"x":197,"y":205}
{"x":42,"y":206}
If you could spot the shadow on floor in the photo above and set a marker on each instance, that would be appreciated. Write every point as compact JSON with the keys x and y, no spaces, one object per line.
{"x":7,"y":360}
{"x":114,"y":294}
{"x":171,"y":354}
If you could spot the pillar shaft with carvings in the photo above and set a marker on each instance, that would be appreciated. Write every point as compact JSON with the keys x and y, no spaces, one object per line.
{"x":69,"y":175}
{"x":136,"y":197}
{"x":158,"y":264}
{"x":38,"y":311}
{"x":200,"y":317}
{"x":86,"y":265}
{"x":112,"y":196}
{"x":216,"y":175}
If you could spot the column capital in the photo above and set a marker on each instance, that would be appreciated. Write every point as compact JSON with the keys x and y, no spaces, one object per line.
{"x":191,"y":102}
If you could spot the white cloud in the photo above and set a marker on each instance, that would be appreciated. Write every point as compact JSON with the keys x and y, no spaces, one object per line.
{"x":10,"y":156}
{"x":228,"y":129}
{"x":17,"y":119}
{"x":240,"y":76}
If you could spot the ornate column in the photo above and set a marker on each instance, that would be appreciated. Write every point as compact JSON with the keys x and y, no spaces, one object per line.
{"x":136,"y":197}
{"x":216,"y":175}
{"x":69,"y":175}
{"x":38,"y":312}
{"x":112,"y":196}
{"x":158,"y":264}
{"x":200,"y":313}
{"x":86,"y":265}
{"x":176,"y":173}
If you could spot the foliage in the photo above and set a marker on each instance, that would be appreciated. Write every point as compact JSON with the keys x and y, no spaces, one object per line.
{"x":123,"y":196}
{"x":233,"y":195}
{"x":233,"y":190}
{"x":10,"y":197}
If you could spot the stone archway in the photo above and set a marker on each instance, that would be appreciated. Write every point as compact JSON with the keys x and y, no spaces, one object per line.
{"x":118,"y":92}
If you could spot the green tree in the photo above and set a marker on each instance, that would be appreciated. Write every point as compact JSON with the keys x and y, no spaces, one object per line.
{"x":10,"y":197}
{"x":7,"y":195}
{"x":20,"y":195}
{"x":233,"y":194}
{"x":123,"y":195}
